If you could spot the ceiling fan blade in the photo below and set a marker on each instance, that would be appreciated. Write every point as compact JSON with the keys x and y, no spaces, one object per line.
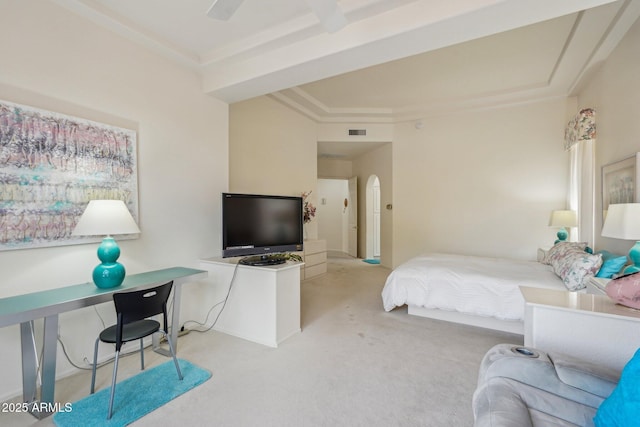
{"x":223,"y":9}
{"x":329,"y":14}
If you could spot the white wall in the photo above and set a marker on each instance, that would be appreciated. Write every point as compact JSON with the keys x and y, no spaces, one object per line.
{"x":272,"y":150}
{"x":614,"y":91}
{"x":334,"y":168}
{"x":481,"y":182}
{"x":52,"y":59}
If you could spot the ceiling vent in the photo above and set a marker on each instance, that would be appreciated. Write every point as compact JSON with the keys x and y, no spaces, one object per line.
{"x":357,"y":132}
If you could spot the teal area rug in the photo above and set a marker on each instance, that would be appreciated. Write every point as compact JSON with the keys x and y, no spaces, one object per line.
{"x":135,"y":397}
{"x":371,"y":261}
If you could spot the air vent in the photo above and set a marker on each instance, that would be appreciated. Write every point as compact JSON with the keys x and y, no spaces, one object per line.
{"x":357,"y":132}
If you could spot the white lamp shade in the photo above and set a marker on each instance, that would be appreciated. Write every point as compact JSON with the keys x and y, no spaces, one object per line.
{"x":622,"y":221}
{"x":104,"y":218}
{"x":563,"y":218}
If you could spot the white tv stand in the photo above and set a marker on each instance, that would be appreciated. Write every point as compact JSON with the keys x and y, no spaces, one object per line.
{"x":264,"y":302}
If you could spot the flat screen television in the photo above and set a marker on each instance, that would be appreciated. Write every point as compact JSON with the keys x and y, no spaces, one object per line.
{"x":259,"y":227}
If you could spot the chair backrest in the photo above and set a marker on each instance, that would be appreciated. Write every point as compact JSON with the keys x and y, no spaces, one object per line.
{"x":137,"y":305}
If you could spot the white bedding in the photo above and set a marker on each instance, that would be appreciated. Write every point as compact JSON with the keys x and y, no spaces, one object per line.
{"x":467,"y":284}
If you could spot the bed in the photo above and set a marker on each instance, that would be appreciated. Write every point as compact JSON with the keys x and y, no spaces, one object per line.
{"x":481,"y":291}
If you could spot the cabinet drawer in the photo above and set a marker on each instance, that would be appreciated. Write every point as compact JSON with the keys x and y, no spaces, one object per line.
{"x":314,"y":246}
{"x":314,"y":259}
{"x":315,"y":270}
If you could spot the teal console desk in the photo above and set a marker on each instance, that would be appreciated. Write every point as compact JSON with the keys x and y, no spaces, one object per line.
{"x":47,"y":305}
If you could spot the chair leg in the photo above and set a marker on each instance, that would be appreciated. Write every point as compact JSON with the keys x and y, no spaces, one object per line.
{"x":95,"y":365}
{"x":173,"y":354}
{"x":113,"y":384}
{"x":141,"y":355}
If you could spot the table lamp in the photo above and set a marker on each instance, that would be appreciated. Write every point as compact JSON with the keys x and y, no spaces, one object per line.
{"x":563,"y":219}
{"x":623,"y":222}
{"x":107,"y":218}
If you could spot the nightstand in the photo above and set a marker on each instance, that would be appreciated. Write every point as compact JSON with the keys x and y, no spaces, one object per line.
{"x":591,"y":327}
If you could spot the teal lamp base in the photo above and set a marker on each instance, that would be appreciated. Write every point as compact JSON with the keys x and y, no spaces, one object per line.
{"x":634,"y":256}
{"x":109,"y":273}
{"x":562,"y":235}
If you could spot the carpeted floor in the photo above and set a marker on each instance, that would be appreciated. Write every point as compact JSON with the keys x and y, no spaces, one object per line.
{"x":352,"y":365}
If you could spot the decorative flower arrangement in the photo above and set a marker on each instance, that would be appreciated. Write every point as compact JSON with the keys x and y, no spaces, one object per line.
{"x":309,"y":211}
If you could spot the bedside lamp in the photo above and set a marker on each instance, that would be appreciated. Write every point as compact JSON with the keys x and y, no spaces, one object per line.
{"x":106,"y":218}
{"x":623,"y":222}
{"x":563,"y":219}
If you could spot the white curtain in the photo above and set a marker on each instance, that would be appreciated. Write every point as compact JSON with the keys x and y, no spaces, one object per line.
{"x":582,"y":190}
{"x":580,"y":136}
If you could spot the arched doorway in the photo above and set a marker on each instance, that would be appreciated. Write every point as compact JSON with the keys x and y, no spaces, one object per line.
{"x":373,"y":217}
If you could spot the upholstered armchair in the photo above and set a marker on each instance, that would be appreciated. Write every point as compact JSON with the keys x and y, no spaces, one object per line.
{"x":523,"y":387}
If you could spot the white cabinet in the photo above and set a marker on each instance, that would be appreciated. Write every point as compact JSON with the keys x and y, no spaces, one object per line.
{"x":315,"y":258}
{"x":591,"y":327}
{"x":264,"y":301}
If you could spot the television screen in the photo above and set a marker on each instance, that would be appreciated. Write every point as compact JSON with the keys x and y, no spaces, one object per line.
{"x":260,"y":225}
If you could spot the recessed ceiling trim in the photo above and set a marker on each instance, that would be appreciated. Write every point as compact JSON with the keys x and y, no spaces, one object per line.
{"x":273,"y":38}
{"x":298,"y":51}
{"x":322,"y":109}
{"x":293,"y":31}
{"x":626,"y":16}
{"x":294,"y":105}
{"x":396,"y":34}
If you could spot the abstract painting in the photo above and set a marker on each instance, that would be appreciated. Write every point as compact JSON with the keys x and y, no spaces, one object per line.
{"x":51,"y":165}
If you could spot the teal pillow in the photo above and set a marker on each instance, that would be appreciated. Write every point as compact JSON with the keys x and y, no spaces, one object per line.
{"x":622,"y":407}
{"x":611,"y":264}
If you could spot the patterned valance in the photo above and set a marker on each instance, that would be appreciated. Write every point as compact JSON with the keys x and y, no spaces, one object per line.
{"x":581,"y":128}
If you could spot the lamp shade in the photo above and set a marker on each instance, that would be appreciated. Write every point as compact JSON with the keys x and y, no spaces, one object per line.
{"x":104,"y":218}
{"x":622,"y":221}
{"x":563,"y":218}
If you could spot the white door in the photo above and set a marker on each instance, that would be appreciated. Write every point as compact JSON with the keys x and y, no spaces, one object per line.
{"x":353,"y":217}
{"x":376,"y":218}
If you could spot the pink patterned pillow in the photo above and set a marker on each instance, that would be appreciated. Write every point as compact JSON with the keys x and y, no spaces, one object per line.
{"x":625,"y":290}
{"x":572,"y":264}
{"x":560,"y":249}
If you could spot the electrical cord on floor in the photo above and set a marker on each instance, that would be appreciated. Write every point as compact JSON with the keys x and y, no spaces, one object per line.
{"x":90,"y":367}
{"x":224,"y":304}
{"x":170,"y":308}
{"x":95,"y":308}
{"x":106,"y":362}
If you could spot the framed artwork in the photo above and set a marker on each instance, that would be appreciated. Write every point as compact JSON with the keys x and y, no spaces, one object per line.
{"x":51,"y":165}
{"x":620,"y":182}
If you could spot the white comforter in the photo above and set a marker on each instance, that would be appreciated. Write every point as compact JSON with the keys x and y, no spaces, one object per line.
{"x":467,"y":284}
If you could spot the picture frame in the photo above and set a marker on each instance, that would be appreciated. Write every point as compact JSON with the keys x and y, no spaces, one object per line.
{"x":51,"y":166}
{"x":620,"y":183}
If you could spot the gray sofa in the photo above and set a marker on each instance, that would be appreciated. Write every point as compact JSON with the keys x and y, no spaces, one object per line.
{"x":522,"y":387}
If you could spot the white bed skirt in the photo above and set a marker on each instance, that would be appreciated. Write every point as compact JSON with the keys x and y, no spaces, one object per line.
{"x":511,"y":326}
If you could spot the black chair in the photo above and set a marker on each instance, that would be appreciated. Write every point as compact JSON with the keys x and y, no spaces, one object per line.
{"x":133,"y":309}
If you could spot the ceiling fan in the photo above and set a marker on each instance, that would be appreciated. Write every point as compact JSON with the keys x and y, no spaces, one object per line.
{"x":327,"y":11}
